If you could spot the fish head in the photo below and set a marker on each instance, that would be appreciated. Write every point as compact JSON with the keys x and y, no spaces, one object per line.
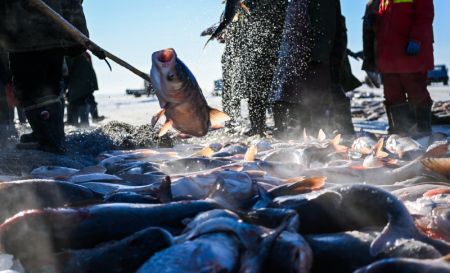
{"x":170,"y":77}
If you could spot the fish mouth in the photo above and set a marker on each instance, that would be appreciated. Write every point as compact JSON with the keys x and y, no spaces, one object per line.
{"x":165,"y":55}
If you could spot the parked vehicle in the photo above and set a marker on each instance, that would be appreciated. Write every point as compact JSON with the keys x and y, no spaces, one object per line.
{"x":438,"y":74}
{"x":147,"y":90}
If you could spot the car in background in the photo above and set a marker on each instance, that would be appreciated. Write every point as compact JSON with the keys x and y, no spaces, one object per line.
{"x":438,"y":74}
{"x":147,"y":90}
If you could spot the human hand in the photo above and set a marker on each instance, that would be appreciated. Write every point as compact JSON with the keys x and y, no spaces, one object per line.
{"x":413,"y":48}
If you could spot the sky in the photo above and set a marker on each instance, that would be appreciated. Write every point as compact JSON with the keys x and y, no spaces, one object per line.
{"x":133,"y":30}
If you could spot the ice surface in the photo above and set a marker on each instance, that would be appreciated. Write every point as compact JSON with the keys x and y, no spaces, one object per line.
{"x":6,"y":261}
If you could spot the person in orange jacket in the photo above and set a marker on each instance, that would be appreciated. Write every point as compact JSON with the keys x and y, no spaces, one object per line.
{"x":404,"y":54}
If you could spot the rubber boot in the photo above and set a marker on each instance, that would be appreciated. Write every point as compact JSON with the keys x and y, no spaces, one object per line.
{"x":257,"y":115}
{"x":281,"y":119}
{"x":401,"y":118}
{"x":48,"y":126}
{"x":387,"y":108}
{"x":83,"y":113}
{"x":342,"y":119}
{"x":423,"y":118}
{"x":94,"y":113}
{"x":72,"y":114}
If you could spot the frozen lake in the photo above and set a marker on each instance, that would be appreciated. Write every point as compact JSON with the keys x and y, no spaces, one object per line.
{"x":138,"y":111}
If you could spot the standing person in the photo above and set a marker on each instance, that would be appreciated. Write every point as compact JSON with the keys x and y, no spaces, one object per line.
{"x":343,"y":80}
{"x":263,"y":33}
{"x":37,"y":48}
{"x":304,"y":83}
{"x":404,"y":54}
{"x":231,"y":71}
{"x":82,"y":82}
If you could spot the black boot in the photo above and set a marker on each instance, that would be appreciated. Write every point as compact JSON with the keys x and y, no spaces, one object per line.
{"x":342,"y":119}
{"x":281,"y":119}
{"x":72,"y":114}
{"x":423,"y":118}
{"x":401,"y":118}
{"x":387,"y":108}
{"x":28,"y":138}
{"x":48,"y":126}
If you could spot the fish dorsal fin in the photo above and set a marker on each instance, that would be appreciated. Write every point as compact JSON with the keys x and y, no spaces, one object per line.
{"x":166,"y":127}
{"x":217,"y":118}
{"x":378,"y":149}
{"x":157,"y":116}
{"x":446,"y":258}
{"x":321,"y":136}
{"x":91,"y":170}
{"x":165,"y":190}
{"x":305,"y":135}
{"x":205,"y":152}
{"x":437,"y":165}
{"x":313,"y":183}
{"x":250,"y":154}
{"x":294,"y":180}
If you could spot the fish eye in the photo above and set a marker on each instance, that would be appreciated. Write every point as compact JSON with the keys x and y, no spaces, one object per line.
{"x":170,"y":77}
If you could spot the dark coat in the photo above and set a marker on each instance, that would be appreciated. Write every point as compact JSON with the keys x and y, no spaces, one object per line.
{"x":5,"y":73}
{"x":82,"y":80}
{"x":398,"y":23}
{"x":24,"y":29}
{"x":369,"y":36}
{"x":311,"y":46}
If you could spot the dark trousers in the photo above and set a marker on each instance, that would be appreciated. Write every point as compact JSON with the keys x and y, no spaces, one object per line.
{"x":5,"y":113}
{"x":400,"y":88}
{"x":36,"y":75}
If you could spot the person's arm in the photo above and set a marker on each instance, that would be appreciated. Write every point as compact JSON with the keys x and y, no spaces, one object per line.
{"x":422,"y":29}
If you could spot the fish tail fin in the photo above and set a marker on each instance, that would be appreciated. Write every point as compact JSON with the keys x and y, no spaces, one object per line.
{"x":378,"y":149}
{"x":217,"y":118}
{"x":336,"y":142}
{"x":437,"y":165}
{"x":386,"y":239}
{"x":391,"y":234}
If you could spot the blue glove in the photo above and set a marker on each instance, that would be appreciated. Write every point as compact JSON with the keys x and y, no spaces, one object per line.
{"x":413,"y":48}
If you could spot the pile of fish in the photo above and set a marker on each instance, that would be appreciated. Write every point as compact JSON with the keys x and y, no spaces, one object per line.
{"x":318,"y":204}
{"x":368,"y":111}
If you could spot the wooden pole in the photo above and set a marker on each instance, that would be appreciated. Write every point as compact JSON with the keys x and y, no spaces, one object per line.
{"x":83,"y":39}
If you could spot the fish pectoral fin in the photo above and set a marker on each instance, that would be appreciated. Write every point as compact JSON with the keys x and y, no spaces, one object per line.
{"x":157,"y":116}
{"x":250,"y":154}
{"x":166,"y":127}
{"x":205,"y":152}
{"x":217,"y":118}
{"x":436,"y":151}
